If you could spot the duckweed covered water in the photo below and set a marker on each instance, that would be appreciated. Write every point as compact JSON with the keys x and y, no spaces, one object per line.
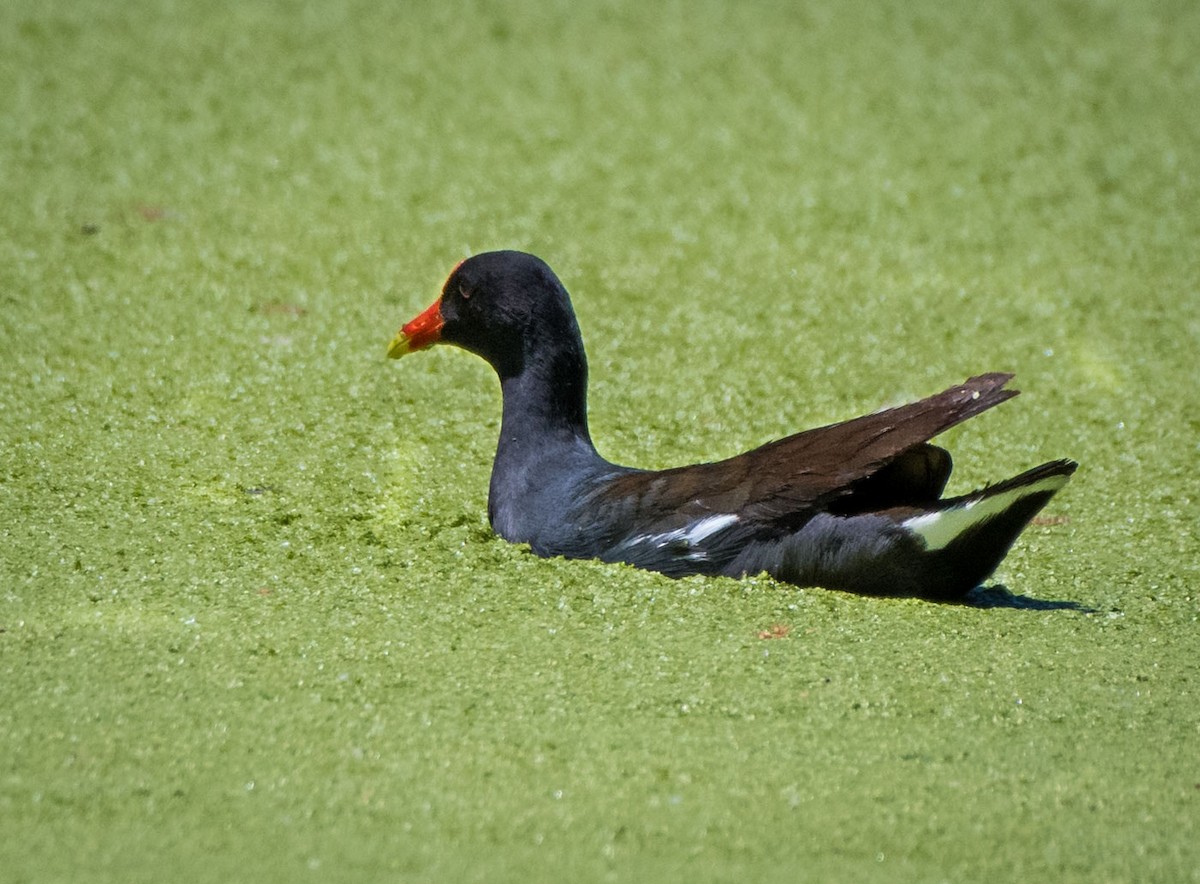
{"x":253,"y":625}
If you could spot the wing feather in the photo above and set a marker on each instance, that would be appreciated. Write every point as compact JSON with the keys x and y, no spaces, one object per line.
{"x":785,"y":482}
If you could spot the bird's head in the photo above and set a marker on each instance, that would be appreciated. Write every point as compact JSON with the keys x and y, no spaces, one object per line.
{"x":503,"y":306}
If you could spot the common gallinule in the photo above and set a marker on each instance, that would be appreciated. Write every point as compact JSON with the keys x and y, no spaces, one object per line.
{"x":854,"y":506}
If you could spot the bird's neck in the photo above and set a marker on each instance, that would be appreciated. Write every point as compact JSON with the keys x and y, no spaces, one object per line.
{"x":545,"y":453}
{"x":545,"y":404}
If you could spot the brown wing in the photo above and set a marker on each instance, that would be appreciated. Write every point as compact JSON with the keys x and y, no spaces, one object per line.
{"x":793,"y":477}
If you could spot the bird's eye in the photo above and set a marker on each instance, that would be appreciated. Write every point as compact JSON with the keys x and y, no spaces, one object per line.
{"x":465,"y":292}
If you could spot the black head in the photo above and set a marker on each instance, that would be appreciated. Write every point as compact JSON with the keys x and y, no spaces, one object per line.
{"x":507,"y":307}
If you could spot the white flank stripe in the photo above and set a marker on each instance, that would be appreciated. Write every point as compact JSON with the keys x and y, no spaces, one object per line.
{"x":940,"y":528}
{"x":708,"y":526}
{"x":691,"y":535}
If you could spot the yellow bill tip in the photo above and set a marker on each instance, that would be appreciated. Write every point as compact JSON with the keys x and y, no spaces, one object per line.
{"x":422,"y":332}
{"x":401,"y":345}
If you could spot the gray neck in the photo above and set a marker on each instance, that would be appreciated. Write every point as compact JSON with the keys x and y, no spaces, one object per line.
{"x":544,"y":446}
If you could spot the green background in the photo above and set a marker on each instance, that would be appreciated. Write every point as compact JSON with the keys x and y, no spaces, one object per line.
{"x":253,"y":625}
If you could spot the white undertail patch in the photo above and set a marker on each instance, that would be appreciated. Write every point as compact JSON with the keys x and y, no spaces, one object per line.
{"x":939,"y":529}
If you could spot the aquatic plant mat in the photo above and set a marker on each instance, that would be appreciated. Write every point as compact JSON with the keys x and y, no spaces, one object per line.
{"x":253,"y":626}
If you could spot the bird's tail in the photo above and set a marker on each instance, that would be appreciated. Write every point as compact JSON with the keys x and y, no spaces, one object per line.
{"x":965,"y":538}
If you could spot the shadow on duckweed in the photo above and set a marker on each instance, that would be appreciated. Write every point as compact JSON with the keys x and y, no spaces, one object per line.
{"x":999,"y":596}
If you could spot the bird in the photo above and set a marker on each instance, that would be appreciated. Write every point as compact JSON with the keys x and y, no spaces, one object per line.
{"x":855,"y":506}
